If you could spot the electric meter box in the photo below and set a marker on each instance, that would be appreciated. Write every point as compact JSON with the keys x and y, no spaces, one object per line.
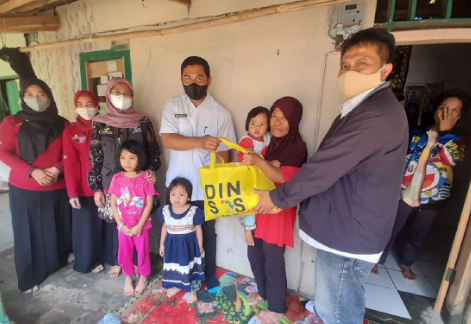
{"x":351,"y":13}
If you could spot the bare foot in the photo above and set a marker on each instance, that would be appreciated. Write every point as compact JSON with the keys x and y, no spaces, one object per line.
{"x":173,"y":291}
{"x":267,"y":317}
{"x":193,"y":298}
{"x":71,"y":258}
{"x":249,"y":238}
{"x":407,"y":272}
{"x":254,"y":299}
{"x":375,"y":270}
{"x":98,"y":269}
{"x":29,"y":291}
{"x":115,"y":271}
{"x":141,"y":285}
{"x":128,"y":286}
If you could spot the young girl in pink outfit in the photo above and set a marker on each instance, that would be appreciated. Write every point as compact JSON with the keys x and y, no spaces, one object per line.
{"x":257,"y":141}
{"x":131,"y":202}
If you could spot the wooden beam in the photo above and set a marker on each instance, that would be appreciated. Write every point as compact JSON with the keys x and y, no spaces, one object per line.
{"x":13,"y":5}
{"x":183,"y":2}
{"x":29,"y":24}
{"x":36,"y":5}
{"x":433,"y":36}
{"x":210,"y":23}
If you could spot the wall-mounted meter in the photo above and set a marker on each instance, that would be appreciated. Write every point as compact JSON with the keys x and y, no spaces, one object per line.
{"x":350,"y":13}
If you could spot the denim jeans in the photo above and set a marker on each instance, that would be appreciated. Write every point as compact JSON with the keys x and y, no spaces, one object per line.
{"x":339,"y":293}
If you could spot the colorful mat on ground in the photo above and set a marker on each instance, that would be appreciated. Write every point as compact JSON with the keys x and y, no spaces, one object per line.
{"x":229,"y":305}
{"x":3,"y":314}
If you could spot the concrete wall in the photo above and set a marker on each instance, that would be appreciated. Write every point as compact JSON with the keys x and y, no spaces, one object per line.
{"x":252,"y":63}
{"x":11,"y":40}
{"x":438,"y":63}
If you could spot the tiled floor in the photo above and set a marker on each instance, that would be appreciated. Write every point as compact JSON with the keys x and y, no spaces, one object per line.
{"x":382,"y":291}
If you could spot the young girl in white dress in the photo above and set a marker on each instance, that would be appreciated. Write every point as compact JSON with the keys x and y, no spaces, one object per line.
{"x":181,"y":243}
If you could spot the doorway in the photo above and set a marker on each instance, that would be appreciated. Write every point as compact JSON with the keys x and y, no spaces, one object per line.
{"x":426,"y":71}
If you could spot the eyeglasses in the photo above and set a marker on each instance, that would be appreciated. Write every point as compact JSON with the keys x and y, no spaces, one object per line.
{"x":87,"y":105}
{"x":119,"y":93}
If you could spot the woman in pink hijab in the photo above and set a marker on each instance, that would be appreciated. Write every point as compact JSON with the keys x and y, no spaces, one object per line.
{"x":120,"y":123}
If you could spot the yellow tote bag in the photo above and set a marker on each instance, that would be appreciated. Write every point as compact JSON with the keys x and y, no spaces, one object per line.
{"x":228,"y":186}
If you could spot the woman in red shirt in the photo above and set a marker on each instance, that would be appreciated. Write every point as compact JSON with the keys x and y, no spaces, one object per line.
{"x":275,"y":231}
{"x":87,"y":228}
{"x":31,"y":145}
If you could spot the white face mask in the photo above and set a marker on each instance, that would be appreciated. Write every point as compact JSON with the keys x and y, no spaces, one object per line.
{"x":87,"y":113}
{"x":352,"y":83}
{"x":121,"y":102}
{"x":38,"y":104}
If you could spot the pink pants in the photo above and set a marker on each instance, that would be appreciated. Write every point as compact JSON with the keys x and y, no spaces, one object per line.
{"x":126,"y":251}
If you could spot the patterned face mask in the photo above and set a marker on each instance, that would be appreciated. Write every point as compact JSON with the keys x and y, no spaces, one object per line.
{"x":87,"y":113}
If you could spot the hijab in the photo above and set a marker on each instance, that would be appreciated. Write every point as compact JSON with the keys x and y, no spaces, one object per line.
{"x":39,"y":129}
{"x":86,"y":93}
{"x":83,"y":123}
{"x":290,"y":149}
{"x":116,"y":117}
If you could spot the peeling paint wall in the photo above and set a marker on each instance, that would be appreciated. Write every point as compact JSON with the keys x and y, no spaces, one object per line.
{"x":252,"y":63}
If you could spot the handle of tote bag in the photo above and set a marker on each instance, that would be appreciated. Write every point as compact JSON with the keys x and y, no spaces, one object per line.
{"x":229,"y":144}
{"x":235,"y":147}
{"x":213,"y":160}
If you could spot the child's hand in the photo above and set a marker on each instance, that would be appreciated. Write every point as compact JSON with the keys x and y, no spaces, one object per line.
{"x":136,"y":230}
{"x":276,"y":163}
{"x":162,"y":250}
{"x":250,"y":159}
{"x":126,"y":230}
{"x":201,"y":250}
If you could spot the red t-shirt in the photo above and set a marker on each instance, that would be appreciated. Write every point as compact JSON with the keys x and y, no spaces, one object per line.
{"x":247,"y":143}
{"x":278,"y":228}
{"x":20,"y":169}
{"x":76,"y":141}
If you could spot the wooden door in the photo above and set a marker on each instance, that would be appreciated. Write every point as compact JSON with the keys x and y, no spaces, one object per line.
{"x":450,"y":271}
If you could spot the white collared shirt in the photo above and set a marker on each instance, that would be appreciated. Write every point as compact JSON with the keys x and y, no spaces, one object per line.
{"x":373,"y":258}
{"x":180,"y":116}
{"x":352,"y":103}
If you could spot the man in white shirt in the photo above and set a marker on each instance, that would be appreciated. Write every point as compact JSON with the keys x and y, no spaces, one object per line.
{"x":191,"y":123}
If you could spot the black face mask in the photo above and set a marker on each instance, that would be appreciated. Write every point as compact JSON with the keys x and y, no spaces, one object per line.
{"x":195,"y":91}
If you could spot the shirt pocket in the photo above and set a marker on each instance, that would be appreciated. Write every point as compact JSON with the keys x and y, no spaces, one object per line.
{"x":207,"y":130}
{"x":184,"y":127}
